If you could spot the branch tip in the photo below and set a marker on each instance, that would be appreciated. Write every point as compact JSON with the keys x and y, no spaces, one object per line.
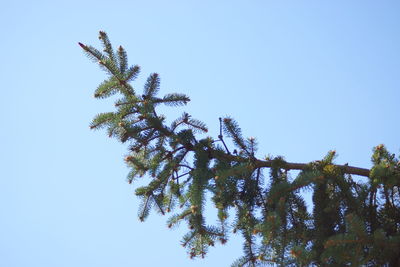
{"x":82,"y":45}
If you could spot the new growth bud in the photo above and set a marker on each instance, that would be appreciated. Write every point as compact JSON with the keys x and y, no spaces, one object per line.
{"x":128,"y":158}
{"x":194,"y":209}
{"x":101,"y":34}
{"x":83,"y":46}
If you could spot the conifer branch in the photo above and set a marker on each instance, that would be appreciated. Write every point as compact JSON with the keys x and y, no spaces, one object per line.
{"x":276,"y":212}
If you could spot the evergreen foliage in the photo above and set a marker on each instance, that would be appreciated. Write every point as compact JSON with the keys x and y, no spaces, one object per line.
{"x":352,"y":223}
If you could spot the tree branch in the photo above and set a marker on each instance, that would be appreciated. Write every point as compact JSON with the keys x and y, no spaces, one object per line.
{"x":288,"y":165}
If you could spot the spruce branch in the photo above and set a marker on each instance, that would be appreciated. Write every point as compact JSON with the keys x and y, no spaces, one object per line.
{"x":273,"y":216}
{"x":122,"y":59}
{"x":131,"y":74}
{"x":107,"y":45}
{"x":152,"y":86}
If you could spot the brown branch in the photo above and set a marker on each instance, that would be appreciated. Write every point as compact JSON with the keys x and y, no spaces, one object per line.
{"x":302,"y":166}
{"x":288,"y":165}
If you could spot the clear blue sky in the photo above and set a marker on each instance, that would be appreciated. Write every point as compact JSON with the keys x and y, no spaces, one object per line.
{"x":303,"y":77}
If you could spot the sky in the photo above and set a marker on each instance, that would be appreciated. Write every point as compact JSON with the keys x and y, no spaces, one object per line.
{"x":303,"y":77}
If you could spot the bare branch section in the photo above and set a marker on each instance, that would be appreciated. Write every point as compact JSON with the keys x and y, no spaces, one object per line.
{"x":301,"y":166}
{"x":289,"y":165}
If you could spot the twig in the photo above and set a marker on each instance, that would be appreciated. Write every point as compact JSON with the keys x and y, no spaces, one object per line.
{"x":220,"y":136}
